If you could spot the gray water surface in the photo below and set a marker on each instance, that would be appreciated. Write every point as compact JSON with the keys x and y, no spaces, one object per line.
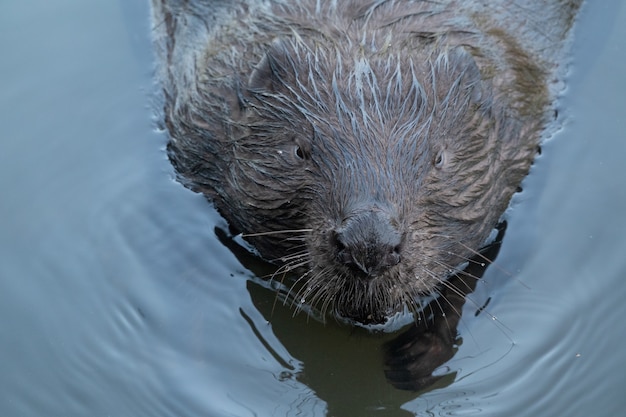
{"x":118,"y":299}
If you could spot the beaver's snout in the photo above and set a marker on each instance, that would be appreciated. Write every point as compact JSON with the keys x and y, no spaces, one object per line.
{"x":368,"y":242}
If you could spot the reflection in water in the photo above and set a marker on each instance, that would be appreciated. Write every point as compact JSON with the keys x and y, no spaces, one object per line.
{"x":413,"y":356}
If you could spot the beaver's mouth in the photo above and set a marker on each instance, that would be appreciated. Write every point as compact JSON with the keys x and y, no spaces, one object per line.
{"x":354,"y":298}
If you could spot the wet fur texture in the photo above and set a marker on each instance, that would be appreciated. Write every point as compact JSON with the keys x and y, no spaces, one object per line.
{"x":400,"y":127}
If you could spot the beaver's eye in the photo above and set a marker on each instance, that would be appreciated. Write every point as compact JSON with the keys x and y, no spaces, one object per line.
{"x":299,"y":152}
{"x":440,"y":159}
{"x":301,"y":149}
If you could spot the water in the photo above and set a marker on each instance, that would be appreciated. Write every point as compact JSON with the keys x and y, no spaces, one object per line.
{"x":117,"y":298}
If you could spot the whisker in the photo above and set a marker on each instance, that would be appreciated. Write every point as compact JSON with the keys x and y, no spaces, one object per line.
{"x":276,"y":232}
{"x":298,"y":294}
{"x":300,"y":255}
{"x":470,"y":288}
{"x":292,"y":265}
{"x":468,"y":259}
{"x":460,"y":293}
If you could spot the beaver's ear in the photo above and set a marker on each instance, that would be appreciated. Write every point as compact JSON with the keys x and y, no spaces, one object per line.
{"x":463,"y":68}
{"x":272,"y":70}
{"x":457,"y":68}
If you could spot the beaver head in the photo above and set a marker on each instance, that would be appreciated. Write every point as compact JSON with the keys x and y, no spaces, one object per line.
{"x":374,"y":175}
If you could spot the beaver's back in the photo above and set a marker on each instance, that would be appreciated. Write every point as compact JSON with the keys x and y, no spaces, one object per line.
{"x":185,"y":31}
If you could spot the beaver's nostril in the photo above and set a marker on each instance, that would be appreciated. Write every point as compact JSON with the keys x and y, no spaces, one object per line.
{"x":368,"y":243}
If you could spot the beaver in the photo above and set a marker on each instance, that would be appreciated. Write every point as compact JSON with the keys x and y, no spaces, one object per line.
{"x":369,"y":146}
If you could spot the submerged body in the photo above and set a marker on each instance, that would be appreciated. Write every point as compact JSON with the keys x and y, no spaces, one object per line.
{"x":370,"y":145}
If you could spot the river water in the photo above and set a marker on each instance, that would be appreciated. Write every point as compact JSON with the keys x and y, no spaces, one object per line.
{"x":117,"y":297}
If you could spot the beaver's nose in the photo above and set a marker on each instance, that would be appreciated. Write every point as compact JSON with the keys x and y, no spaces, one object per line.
{"x":369,"y":242}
